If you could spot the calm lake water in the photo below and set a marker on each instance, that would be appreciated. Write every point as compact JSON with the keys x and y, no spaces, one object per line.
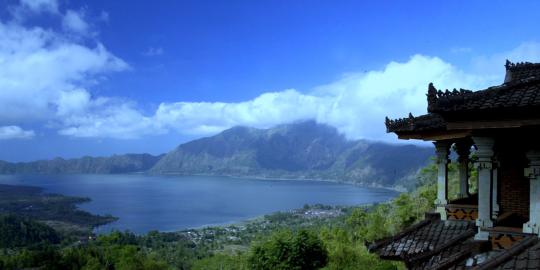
{"x":168,"y":203}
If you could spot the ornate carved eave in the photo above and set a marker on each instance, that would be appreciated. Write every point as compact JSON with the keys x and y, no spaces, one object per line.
{"x":411,"y":123}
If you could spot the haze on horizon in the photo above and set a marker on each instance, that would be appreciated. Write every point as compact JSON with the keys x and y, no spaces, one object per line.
{"x":104,"y":77}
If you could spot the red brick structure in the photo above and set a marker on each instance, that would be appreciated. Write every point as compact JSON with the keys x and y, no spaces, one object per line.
{"x":498,"y":227}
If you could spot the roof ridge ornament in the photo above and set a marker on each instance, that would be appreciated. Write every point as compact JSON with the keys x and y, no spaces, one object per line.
{"x":520,"y":71}
{"x":431,"y":97}
{"x":434,"y":95}
{"x":509,"y":64}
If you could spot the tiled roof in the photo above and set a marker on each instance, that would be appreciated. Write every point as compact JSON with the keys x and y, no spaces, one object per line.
{"x":520,"y":91}
{"x":451,"y":255}
{"x":520,"y":71}
{"x":435,"y":244}
{"x":425,"y":122}
{"x":527,"y":257}
{"x":514,"y":94}
{"x":425,"y":237}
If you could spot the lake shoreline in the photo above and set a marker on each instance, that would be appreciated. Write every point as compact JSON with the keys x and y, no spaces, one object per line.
{"x":264,"y":178}
{"x":252,"y":177}
{"x":145,"y":203}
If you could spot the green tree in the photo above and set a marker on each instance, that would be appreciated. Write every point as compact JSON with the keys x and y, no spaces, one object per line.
{"x":17,"y":231}
{"x":345,"y":253}
{"x":302,"y":250}
{"x":222,"y":262}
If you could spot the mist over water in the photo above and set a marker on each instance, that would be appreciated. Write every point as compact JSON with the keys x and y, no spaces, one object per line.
{"x":169,"y":203}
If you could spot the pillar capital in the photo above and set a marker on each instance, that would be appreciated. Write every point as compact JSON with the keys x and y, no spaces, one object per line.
{"x":486,"y":164}
{"x":533,"y":170}
{"x":484,"y":147}
{"x":442,"y":146}
{"x":463,"y":149}
{"x":442,"y":150}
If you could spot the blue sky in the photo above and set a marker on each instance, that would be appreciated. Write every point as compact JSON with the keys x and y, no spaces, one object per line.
{"x":103,"y":77}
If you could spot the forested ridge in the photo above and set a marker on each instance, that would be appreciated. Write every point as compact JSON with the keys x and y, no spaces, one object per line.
{"x":303,"y":150}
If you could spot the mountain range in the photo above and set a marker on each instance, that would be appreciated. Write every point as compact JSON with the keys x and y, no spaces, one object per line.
{"x":128,"y":163}
{"x":303,"y":150}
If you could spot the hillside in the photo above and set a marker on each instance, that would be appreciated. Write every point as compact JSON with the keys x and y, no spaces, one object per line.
{"x":304,"y":150}
{"x":115,"y":164}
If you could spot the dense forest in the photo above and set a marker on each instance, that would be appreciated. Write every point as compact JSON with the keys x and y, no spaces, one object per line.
{"x":335,"y":239}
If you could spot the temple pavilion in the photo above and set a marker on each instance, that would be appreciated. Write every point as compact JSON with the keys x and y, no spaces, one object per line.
{"x":498,"y":226}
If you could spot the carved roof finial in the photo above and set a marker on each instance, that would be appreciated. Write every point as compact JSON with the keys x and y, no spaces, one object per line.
{"x":431,"y":96}
{"x":508,"y":64}
{"x":431,"y":88}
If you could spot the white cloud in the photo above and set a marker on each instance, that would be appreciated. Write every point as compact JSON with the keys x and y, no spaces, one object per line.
{"x":356,"y":104}
{"x":45,"y":75}
{"x":45,"y":78}
{"x":266,"y":110}
{"x":494,"y":64}
{"x":41,"y":5}
{"x":15,"y":132}
{"x":41,"y":70}
{"x":109,"y":118}
{"x":74,"y":21}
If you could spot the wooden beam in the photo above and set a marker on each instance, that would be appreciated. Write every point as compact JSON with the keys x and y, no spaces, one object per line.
{"x":436,"y":136}
{"x":492,"y":124}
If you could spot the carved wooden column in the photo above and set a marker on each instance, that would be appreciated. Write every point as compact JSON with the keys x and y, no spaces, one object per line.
{"x":533,"y":173}
{"x":484,"y":166}
{"x":442,"y":149}
{"x":463,"y":150}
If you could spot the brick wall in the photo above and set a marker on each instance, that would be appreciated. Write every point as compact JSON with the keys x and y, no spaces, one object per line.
{"x":513,"y":186}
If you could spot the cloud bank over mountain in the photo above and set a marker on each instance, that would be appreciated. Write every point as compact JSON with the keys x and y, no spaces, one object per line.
{"x":48,"y":77}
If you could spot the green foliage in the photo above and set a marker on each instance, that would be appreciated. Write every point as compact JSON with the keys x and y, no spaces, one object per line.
{"x":378,"y":221}
{"x":93,"y":256}
{"x":118,"y":238}
{"x":427,"y":175}
{"x":46,"y":257}
{"x":222,"y":261}
{"x":17,"y":232}
{"x":31,"y":203}
{"x":302,"y":250}
{"x":279,"y":216}
{"x":347,"y":253}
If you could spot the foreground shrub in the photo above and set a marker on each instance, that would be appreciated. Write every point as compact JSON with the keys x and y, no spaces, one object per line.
{"x":302,"y":250}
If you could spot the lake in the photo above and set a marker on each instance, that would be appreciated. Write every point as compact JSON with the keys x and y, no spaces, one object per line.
{"x":169,"y":203}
